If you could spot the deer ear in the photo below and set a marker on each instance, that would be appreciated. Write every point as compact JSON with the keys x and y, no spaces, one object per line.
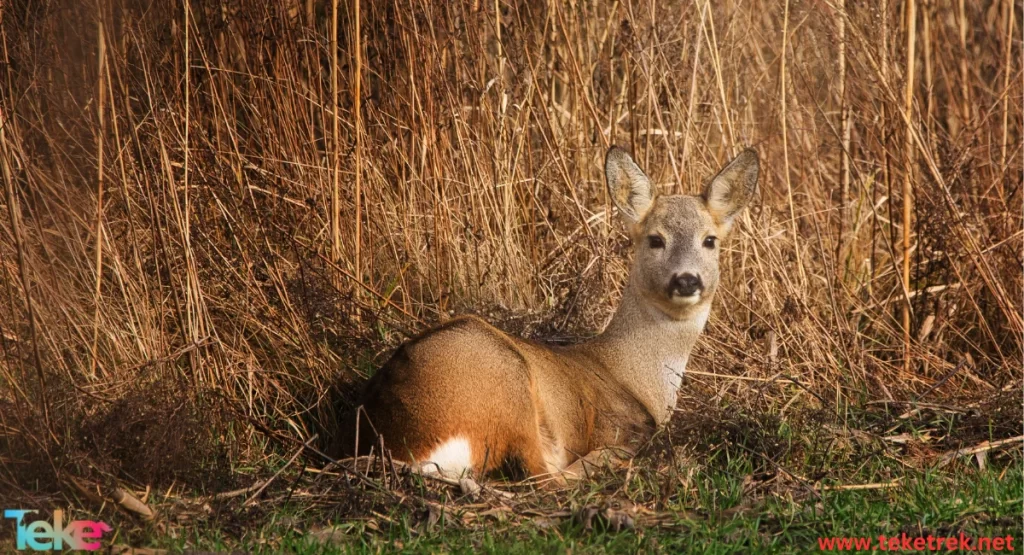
{"x":629,"y":187}
{"x":733,"y":188}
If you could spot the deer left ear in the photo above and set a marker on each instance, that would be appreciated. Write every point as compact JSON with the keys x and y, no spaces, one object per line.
{"x":733,"y":188}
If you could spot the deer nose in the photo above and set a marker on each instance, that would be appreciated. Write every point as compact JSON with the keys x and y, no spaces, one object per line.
{"x":685,"y":285}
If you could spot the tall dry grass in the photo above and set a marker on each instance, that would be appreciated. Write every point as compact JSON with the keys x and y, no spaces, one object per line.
{"x":216,"y":214}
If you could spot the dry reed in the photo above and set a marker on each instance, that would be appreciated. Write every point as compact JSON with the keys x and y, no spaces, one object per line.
{"x":235,"y":204}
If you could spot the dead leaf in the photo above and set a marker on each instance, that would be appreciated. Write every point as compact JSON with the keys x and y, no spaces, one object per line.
{"x":613,"y":516}
{"x":332,"y":535}
{"x":469,"y":488}
{"x":431,"y":515}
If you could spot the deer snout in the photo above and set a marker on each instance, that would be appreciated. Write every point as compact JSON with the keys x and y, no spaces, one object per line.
{"x":685,"y":285}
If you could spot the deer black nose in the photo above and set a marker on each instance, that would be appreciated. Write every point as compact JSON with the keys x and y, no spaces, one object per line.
{"x":685,"y":285}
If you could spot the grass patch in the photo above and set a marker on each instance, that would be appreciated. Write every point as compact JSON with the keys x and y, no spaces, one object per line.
{"x":732,"y":480}
{"x":718,"y":517}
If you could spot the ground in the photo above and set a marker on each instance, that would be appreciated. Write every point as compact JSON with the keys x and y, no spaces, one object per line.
{"x":726,"y":480}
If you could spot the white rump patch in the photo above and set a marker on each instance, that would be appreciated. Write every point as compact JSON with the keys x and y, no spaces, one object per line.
{"x":451,"y":458}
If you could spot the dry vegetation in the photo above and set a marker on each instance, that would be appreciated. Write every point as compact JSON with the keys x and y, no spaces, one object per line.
{"x":214,"y":222}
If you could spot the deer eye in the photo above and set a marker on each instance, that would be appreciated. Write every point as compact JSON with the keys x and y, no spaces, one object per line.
{"x":710,"y":241}
{"x":655,"y":241}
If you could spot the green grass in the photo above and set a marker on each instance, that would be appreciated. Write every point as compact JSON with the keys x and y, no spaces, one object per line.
{"x":717,"y":480}
{"x":716,"y":518}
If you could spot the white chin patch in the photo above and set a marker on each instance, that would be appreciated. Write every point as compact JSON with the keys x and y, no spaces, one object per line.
{"x":451,"y":458}
{"x":688,"y":300}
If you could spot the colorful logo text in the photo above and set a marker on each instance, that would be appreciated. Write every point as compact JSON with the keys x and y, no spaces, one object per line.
{"x":42,"y":536}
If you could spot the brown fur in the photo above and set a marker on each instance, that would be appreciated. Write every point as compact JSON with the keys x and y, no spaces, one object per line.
{"x":546,"y":406}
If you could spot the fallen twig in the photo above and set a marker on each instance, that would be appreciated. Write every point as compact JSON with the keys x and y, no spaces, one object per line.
{"x":853,"y":487}
{"x":982,"y":447}
{"x":130,"y":503}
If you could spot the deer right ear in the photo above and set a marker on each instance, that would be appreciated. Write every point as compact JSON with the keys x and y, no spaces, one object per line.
{"x":629,"y":187}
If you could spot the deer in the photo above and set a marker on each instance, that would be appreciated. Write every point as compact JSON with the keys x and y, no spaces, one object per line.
{"x":465,"y":397}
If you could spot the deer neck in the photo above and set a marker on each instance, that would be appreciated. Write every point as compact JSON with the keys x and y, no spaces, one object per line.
{"x":647,"y":351}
